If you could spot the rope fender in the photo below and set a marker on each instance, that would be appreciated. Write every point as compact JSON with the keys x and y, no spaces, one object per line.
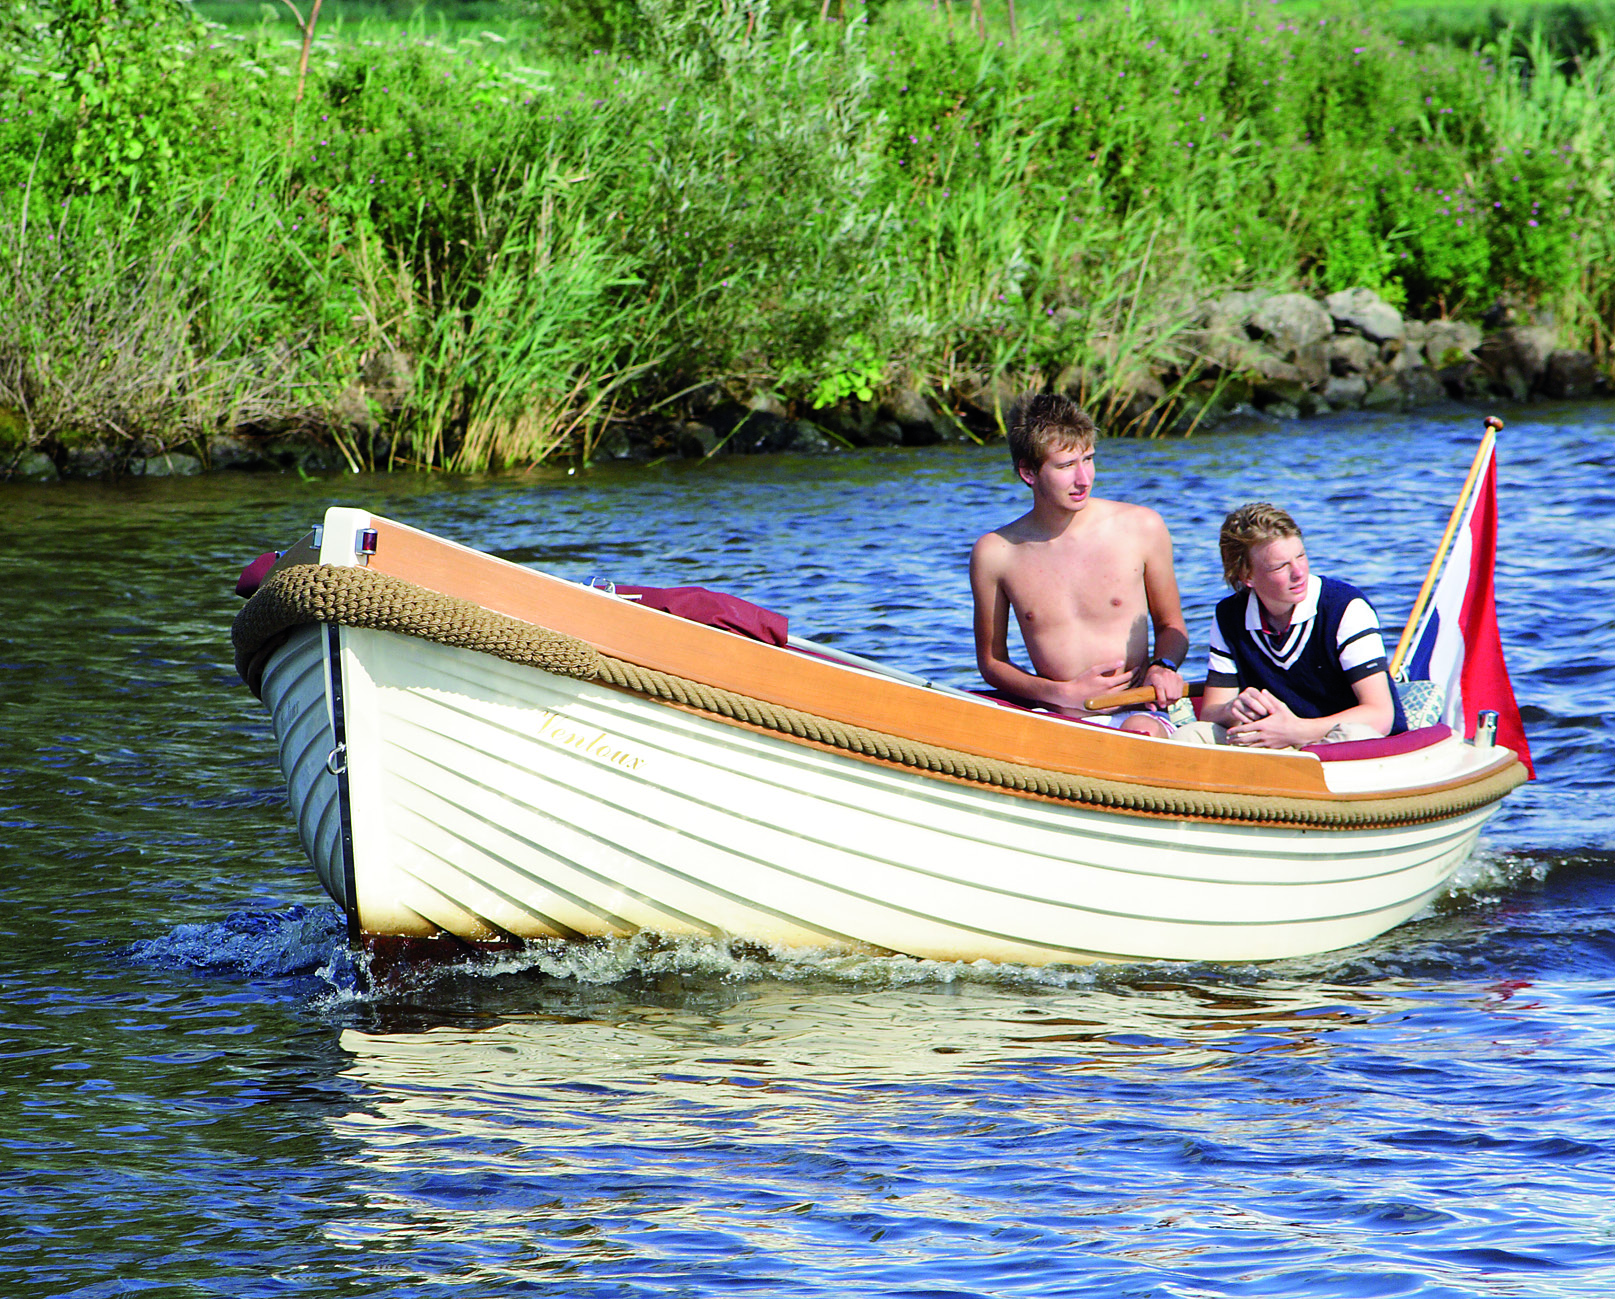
{"x":359,"y":597}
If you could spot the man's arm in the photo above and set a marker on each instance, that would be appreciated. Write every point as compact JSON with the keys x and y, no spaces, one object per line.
{"x":1222,"y":678}
{"x":1166,"y":613}
{"x":1215,"y":704}
{"x":988,"y":561}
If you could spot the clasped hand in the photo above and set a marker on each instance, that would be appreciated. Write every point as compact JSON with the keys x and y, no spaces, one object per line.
{"x":1262,"y":719}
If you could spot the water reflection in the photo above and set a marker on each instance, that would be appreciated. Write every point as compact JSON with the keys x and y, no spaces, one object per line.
{"x":812,"y":1137}
{"x":806,"y":1039}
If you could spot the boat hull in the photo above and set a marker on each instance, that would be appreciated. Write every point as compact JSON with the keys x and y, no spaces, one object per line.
{"x":489,"y":802}
{"x":295,"y":691}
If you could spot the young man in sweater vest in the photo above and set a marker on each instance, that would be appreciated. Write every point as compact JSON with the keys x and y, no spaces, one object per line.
{"x":1294,"y":659}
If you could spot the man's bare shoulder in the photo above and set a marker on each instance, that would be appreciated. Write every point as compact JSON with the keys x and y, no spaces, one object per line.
{"x":1001,"y":540}
{"x":1131,"y":514}
{"x":1135,"y":520}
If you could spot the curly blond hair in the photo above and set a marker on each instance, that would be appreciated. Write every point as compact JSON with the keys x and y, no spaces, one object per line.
{"x":1246,"y":528}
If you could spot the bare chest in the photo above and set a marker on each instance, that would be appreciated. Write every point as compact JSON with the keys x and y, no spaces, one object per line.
{"x":1093,"y":583}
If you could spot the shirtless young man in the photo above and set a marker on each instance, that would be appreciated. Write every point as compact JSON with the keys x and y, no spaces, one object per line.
{"x":1088,"y":579}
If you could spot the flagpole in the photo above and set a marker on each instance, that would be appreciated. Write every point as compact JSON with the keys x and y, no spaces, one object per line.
{"x":1486,"y":443}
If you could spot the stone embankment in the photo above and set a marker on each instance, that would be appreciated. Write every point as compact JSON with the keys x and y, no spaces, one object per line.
{"x":1288,"y":355}
{"x":1280,"y":356}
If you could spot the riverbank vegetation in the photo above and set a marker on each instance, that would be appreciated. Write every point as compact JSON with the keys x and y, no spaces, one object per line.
{"x":434,"y":247}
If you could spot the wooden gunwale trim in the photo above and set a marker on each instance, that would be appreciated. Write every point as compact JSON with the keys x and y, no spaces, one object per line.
{"x":725,"y":661}
{"x":1279,"y":822}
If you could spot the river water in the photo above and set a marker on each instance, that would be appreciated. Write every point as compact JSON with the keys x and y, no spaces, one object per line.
{"x":200,"y":1097}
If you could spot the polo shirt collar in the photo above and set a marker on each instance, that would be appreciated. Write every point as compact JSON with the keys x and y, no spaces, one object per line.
{"x":1305,"y":612}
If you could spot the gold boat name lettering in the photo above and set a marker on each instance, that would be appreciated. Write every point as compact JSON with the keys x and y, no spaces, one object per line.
{"x":596,"y":744}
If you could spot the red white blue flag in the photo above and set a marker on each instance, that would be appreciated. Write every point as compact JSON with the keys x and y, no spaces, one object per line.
{"x":1458,"y":646}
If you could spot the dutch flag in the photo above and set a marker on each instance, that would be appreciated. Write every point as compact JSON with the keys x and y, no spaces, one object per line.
{"x":1457,"y":645}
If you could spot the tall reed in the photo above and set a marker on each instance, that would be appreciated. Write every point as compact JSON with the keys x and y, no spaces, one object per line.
{"x":146,"y":343}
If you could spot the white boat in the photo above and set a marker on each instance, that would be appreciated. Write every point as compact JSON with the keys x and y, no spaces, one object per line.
{"x":479,"y":754}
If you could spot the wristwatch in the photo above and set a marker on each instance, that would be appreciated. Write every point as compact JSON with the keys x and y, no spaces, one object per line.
{"x":1166,"y":663}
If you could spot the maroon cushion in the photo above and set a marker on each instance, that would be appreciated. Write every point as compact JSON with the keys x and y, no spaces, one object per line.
{"x":714,"y":609}
{"x":252,"y":576}
{"x":1390,"y":745}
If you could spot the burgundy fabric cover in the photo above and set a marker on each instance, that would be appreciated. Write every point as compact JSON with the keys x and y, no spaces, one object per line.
{"x":1351,"y":750}
{"x":252,"y":576}
{"x":713,"y":609}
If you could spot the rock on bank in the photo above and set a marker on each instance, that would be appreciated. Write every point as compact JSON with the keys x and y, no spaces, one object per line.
{"x":1289,"y":355}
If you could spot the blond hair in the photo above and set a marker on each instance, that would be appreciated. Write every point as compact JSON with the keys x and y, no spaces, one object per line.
{"x":1246,"y":528}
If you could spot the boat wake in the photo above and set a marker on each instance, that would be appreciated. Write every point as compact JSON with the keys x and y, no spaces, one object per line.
{"x":1487,"y":871}
{"x":702,"y":962}
{"x":312,"y":941}
{"x":298,"y":940}
{"x":305,"y":940}
{"x":655,"y":956}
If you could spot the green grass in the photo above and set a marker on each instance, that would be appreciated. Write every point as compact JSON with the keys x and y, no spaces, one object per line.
{"x":553,"y":238}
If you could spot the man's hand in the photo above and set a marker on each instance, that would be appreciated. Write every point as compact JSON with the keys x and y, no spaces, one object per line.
{"x":1168,"y":684}
{"x":1101,"y":679}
